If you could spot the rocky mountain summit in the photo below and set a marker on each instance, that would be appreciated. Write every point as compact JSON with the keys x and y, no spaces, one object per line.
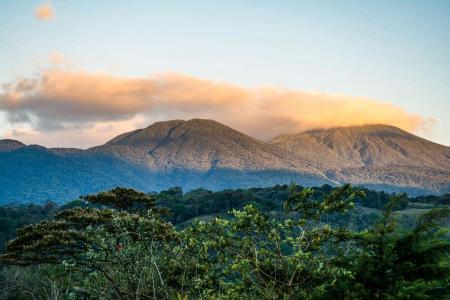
{"x":204,"y":153}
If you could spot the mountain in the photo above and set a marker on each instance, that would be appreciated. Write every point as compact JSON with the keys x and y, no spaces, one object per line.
{"x":190,"y":154}
{"x":205,"y":153}
{"x":206,"y":144}
{"x":374,"y":155}
{"x":10,"y":145}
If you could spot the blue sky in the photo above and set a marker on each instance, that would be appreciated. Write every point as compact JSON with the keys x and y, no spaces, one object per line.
{"x":392,"y":51}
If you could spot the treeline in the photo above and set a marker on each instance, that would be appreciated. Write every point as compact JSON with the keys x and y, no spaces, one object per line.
{"x":201,"y":202}
{"x":188,"y":206}
{"x":119,"y":245}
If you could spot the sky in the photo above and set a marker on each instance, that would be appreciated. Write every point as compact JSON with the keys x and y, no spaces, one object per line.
{"x":77,"y":73}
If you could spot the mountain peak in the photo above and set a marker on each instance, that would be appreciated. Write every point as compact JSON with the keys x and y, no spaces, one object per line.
{"x":197,"y":122}
{"x":350,"y":133}
{"x":163,"y":132}
{"x":203,"y":144}
{"x":360,"y":129}
{"x":366,"y":145}
{"x":7,"y":145}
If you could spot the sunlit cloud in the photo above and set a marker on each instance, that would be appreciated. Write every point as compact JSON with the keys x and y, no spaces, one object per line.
{"x":45,"y":12}
{"x":60,"y":101}
{"x":56,"y":58}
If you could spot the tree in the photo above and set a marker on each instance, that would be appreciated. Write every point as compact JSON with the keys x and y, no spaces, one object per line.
{"x":404,"y":264}
{"x":253,"y":256}
{"x":114,"y":251}
{"x":118,"y":246}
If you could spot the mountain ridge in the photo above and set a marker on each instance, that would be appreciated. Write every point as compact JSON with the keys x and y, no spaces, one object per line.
{"x":369,"y":145}
{"x":205,"y":153}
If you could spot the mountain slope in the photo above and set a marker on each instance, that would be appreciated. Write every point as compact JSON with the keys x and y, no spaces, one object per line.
{"x":374,"y":155}
{"x":35,"y":174}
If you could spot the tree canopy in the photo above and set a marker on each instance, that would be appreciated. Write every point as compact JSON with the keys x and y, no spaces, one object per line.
{"x":120,"y":244}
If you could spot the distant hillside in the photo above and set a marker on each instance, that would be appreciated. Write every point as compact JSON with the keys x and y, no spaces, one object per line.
{"x":10,"y":145}
{"x":205,"y":153}
{"x":36,"y":174}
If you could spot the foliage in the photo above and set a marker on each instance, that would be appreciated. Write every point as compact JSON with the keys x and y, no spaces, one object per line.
{"x":253,"y":256}
{"x":13,"y":217}
{"x":393,"y":263}
{"x":285,"y":242}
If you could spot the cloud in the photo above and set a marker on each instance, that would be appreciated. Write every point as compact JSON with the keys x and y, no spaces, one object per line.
{"x":63,"y":100}
{"x":74,"y":137}
{"x":45,"y":12}
{"x":56,"y":58}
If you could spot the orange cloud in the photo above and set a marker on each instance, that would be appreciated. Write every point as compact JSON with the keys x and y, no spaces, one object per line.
{"x":56,"y":58}
{"x":45,"y":12}
{"x":66,"y":100}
